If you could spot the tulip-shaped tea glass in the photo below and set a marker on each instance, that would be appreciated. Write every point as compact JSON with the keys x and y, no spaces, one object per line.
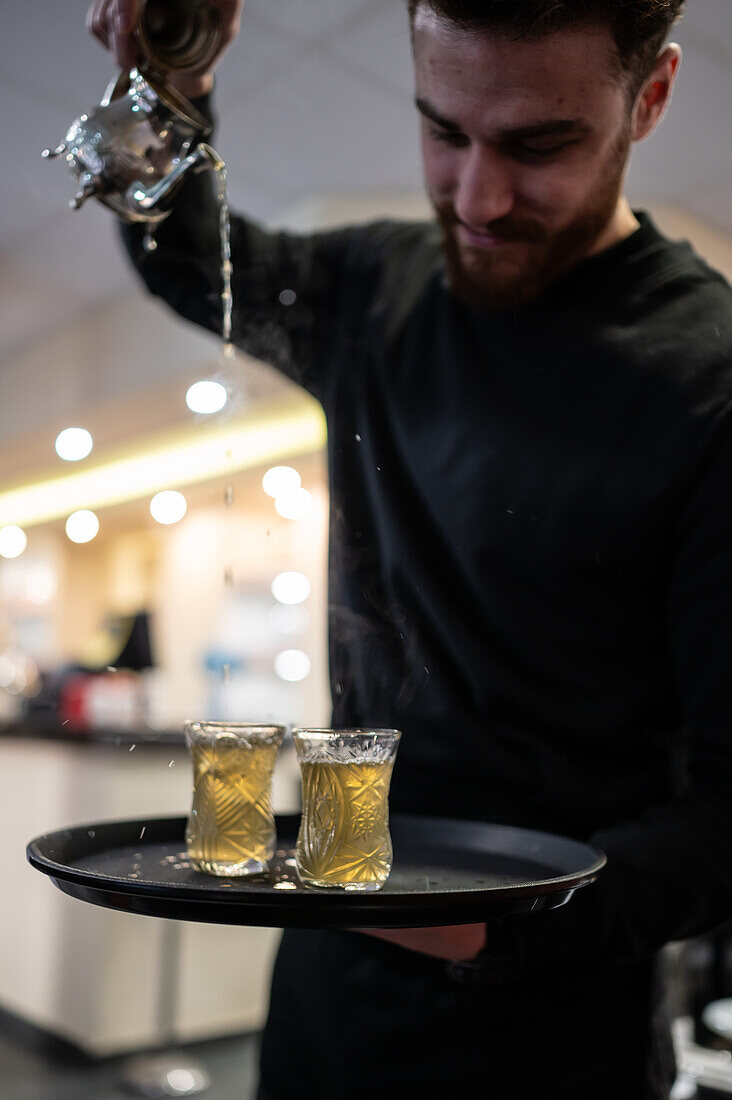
{"x":231,"y":829}
{"x":344,"y":829}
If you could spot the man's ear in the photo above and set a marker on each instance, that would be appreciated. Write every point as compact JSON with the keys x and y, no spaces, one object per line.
{"x":655,"y":95}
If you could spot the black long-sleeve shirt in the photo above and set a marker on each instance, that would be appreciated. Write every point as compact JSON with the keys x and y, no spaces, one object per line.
{"x":530,"y":550}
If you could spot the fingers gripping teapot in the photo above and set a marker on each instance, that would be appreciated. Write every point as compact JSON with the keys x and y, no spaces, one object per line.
{"x":133,"y":150}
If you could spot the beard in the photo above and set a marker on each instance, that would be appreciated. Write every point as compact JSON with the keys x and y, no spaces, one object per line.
{"x":509,"y":276}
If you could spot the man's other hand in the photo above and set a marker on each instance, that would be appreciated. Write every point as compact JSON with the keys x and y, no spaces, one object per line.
{"x":458,"y":942}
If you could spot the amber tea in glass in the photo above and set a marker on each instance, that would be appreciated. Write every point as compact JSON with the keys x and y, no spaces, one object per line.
{"x":344,"y":836}
{"x":231,"y":828}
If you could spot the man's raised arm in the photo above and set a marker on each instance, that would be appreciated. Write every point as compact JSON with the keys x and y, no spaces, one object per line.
{"x":285,"y":286}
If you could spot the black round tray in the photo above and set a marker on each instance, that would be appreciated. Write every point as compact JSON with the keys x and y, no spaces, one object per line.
{"x":444,"y":872}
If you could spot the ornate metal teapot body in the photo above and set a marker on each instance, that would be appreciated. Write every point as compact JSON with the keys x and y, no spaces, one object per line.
{"x":134,"y":150}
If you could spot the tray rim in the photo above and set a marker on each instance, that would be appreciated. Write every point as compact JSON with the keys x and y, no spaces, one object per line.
{"x":284,"y":900}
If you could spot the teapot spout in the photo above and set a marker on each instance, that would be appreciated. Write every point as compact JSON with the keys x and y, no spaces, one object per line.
{"x":147,"y":200}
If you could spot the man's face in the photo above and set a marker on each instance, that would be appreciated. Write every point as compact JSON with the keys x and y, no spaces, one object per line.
{"x":524,"y":147}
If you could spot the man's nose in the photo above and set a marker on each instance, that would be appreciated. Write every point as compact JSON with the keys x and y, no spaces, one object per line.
{"x":484,"y":188}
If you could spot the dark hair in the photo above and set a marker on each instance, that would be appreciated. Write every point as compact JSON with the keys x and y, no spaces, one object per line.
{"x":639,"y":27}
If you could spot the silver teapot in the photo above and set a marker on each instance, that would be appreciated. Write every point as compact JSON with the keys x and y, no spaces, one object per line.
{"x":133,"y":151}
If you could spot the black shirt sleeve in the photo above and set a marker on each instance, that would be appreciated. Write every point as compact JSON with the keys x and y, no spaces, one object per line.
{"x":287,"y":289}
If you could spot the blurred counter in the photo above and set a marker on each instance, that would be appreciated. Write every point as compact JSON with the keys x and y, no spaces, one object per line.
{"x":94,"y":976}
{"x":50,"y":729}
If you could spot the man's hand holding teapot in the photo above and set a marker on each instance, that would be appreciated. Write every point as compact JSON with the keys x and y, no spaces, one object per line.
{"x":113,"y":23}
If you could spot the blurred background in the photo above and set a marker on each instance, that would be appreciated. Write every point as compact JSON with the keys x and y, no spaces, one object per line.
{"x":124,"y":612}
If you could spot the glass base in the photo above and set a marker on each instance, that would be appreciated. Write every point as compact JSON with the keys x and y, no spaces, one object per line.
{"x":237,"y":869}
{"x":352,"y":887}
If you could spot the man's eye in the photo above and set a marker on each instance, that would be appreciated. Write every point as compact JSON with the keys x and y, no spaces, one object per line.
{"x":448,"y":137}
{"x":530,"y":152}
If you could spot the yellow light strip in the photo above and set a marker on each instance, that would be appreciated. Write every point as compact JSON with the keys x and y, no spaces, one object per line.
{"x":197,"y":455}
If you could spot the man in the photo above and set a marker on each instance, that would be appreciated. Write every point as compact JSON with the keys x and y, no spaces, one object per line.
{"x":530,"y":458}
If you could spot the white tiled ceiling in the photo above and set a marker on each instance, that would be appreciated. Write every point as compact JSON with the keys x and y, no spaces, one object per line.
{"x":344,"y":133}
{"x":307,"y":21}
{"x":377,"y":48}
{"x":260,"y":52}
{"x":314,"y":97}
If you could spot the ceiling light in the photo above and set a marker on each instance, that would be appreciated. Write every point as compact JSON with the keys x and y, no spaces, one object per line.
{"x":290,"y":587}
{"x":280,"y":480}
{"x":168,"y":506}
{"x":73,"y":444}
{"x":292,"y":665}
{"x":294,"y":505}
{"x":13,"y":541}
{"x":82,"y":526}
{"x":206,"y":397}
